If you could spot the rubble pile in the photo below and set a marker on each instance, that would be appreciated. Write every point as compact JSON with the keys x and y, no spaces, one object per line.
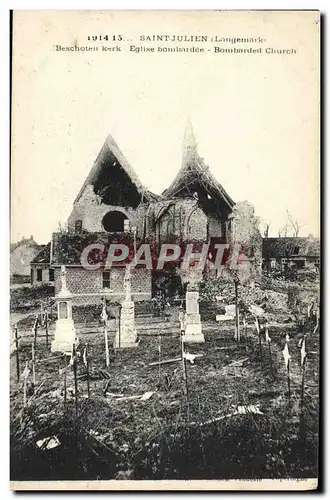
{"x":223,"y":292}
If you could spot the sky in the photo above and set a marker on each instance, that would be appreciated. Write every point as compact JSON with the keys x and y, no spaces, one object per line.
{"x":255,"y":117}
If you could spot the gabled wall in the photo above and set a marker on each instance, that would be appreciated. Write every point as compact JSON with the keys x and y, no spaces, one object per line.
{"x":90,"y":210}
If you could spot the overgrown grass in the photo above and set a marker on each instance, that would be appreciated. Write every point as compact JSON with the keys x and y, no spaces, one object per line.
{"x":162,"y":438}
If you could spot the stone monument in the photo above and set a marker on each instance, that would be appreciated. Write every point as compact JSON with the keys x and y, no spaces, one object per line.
{"x":126,"y":334}
{"x":193,"y":326}
{"x":65,"y":332}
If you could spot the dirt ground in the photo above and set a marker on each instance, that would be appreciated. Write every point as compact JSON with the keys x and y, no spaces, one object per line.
{"x":236,"y":421}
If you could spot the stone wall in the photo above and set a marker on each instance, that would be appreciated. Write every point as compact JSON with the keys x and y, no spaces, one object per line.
{"x":196,"y":224}
{"x":245,"y":232}
{"x":90,"y":210}
{"x":216,"y":227}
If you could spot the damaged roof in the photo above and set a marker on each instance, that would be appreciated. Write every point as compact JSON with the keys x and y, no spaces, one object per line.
{"x":106,"y":165}
{"x":194,"y":172}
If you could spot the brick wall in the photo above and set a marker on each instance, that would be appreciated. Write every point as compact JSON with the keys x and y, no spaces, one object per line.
{"x":88,"y":285}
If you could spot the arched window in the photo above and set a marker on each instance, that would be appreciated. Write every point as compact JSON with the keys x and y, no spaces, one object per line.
{"x":115,"y":222}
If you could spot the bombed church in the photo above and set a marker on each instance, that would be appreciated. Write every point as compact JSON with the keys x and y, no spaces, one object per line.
{"x":113,"y":206}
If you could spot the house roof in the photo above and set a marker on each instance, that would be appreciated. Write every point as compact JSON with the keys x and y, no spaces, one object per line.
{"x":68,"y":247}
{"x":290,"y":246}
{"x":25,"y":241}
{"x":195,"y":172}
{"x":43,"y":256}
{"x":21,"y":255}
{"x":110,"y":158}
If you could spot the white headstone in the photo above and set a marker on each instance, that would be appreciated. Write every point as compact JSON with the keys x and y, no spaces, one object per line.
{"x":127,"y":283}
{"x":65,"y":332}
{"x":126,"y":335}
{"x":193,"y":327}
{"x":192,"y":302}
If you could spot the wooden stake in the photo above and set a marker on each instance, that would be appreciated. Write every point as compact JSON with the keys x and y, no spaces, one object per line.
{"x":184,"y":372}
{"x":245,"y":328}
{"x":33,"y":366}
{"x":25,"y":383}
{"x":74,"y":356}
{"x":259,"y":334}
{"x":268,"y":340}
{"x":302,"y":388}
{"x":87,"y":373}
{"x":35,"y":328}
{"x":24,"y":393}
{"x":302,"y":394}
{"x":289,"y":385}
{"x":65,"y":370}
{"x":107,"y":360}
{"x":46,"y":328}
{"x":236,"y":311}
{"x":116,"y":332}
{"x":159,"y":355}
{"x":119,"y":328}
{"x":238,"y":325}
{"x":17,"y":353}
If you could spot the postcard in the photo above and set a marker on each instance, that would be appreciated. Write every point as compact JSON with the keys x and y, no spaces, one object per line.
{"x":165,"y":250}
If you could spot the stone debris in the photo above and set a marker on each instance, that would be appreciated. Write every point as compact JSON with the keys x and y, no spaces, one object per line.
{"x":237,"y":363}
{"x":256,"y":310}
{"x":48,"y":443}
{"x":242,"y":410}
{"x":191,"y":357}
{"x":120,"y":397}
{"x":147,"y":395}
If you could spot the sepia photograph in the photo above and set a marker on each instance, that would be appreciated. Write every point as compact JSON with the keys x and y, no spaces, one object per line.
{"x":165,"y":250}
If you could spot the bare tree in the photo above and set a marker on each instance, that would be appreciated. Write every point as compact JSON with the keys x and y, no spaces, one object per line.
{"x":62,"y":227}
{"x":283,"y":231}
{"x":295,"y":225}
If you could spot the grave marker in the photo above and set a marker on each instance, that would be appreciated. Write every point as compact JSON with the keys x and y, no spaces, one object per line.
{"x":65,"y":332}
{"x":126,"y":335}
{"x":193,"y":326}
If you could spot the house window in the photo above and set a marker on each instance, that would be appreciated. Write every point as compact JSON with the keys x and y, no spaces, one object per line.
{"x":296,"y":250}
{"x":106,"y":279}
{"x":39,"y":274}
{"x":51,"y":275}
{"x":78,"y":226}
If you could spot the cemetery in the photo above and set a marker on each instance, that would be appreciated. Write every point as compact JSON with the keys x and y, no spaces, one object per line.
{"x":223,"y":385}
{"x":172,"y":373}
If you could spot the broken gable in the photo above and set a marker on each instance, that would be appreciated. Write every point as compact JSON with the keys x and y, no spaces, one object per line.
{"x":113,"y":179}
{"x":194,"y":180}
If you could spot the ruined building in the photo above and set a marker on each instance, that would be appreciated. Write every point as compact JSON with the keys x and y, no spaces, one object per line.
{"x":113,"y":206}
